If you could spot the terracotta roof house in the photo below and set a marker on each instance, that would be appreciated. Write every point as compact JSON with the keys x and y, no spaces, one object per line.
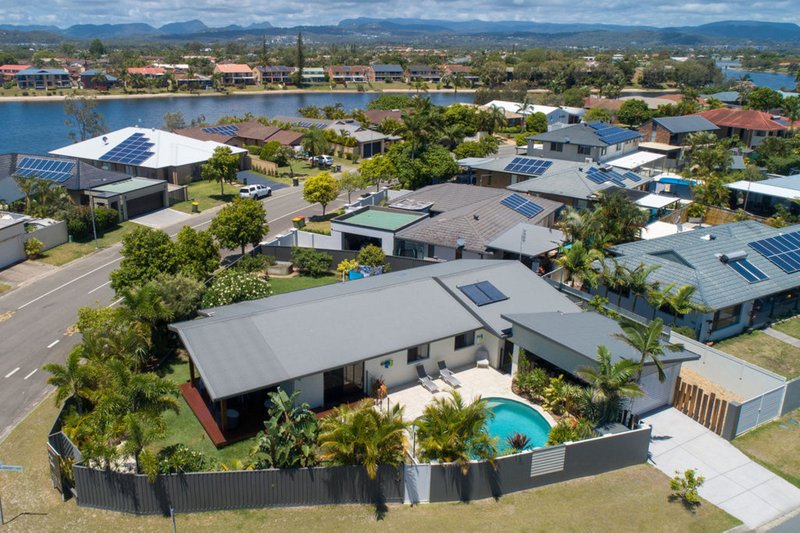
{"x":237,"y":74}
{"x":148,"y":72}
{"x":7,"y":72}
{"x":750,"y":125}
{"x":243,"y":133}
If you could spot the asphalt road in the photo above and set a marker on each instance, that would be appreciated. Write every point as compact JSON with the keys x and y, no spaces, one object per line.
{"x":36,"y":319}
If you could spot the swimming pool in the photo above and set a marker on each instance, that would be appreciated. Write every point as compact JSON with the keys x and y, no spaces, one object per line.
{"x":511,"y":416}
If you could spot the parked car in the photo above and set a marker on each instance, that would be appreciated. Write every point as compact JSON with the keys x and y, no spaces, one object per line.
{"x":255,"y":191}
{"x":321,"y":160}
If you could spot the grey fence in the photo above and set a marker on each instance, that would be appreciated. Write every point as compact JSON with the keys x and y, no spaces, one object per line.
{"x":284,"y":253}
{"x":791,"y":399}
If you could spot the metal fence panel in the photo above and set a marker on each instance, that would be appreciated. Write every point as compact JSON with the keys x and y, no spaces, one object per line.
{"x":771,"y":405}
{"x":748,"y":418}
{"x":791,"y":398}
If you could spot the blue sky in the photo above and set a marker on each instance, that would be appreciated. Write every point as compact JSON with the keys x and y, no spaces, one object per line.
{"x":317,"y":12}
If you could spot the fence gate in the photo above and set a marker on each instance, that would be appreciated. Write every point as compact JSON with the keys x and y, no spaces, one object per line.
{"x":700,"y":406}
{"x":759,"y":410}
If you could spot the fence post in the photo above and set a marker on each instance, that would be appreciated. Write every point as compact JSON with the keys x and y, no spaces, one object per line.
{"x":731,"y":421}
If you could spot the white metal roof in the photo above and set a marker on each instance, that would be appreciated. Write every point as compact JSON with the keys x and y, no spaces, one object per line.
{"x":762,"y":188}
{"x":656,"y":201}
{"x":169,"y":150}
{"x":635,"y":160}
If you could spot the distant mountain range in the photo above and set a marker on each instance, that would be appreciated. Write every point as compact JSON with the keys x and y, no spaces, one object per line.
{"x":394,"y":30}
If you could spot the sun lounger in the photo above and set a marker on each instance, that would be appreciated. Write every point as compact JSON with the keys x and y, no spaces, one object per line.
{"x":425,"y":380}
{"x":447,"y":375}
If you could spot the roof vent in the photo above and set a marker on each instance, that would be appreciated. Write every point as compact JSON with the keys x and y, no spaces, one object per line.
{"x":709,"y":237}
{"x":733,"y":256}
{"x":475,"y":217}
{"x":567,"y":140}
{"x":105,"y":139}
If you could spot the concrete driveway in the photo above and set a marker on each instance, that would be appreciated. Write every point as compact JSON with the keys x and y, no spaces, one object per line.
{"x":163,"y":218}
{"x":733,"y":483}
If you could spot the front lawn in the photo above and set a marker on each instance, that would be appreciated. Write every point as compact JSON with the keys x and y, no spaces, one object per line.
{"x":69,"y":251}
{"x":303,"y":169}
{"x":790,"y":327}
{"x":284,"y":285}
{"x":206,"y":192}
{"x":764,"y":351}
{"x":776,"y":446}
{"x":633,"y":499}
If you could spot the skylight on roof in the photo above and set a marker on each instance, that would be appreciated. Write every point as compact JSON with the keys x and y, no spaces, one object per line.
{"x":483,"y":293}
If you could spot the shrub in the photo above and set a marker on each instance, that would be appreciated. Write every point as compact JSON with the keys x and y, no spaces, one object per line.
{"x":235,"y":286}
{"x":686,"y":331}
{"x":696,"y":210}
{"x":254,"y":263}
{"x":311,"y":262}
{"x":179,"y":458}
{"x":79,"y":220}
{"x":33,"y":247}
{"x":533,"y":382}
{"x":371,"y":255}
{"x":571,"y":430}
{"x":685,"y":487}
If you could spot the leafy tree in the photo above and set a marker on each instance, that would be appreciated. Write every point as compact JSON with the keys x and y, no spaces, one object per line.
{"x":634,"y":112}
{"x":575,"y":96}
{"x":174,"y":121}
{"x":577,"y":263}
{"x":146,"y":253}
{"x":289,"y":439}
{"x":322,"y":188}
{"x":493,"y":73}
{"x":536,"y":123}
{"x":315,"y":142}
{"x":791,"y":108}
{"x":198,"y":255}
{"x":377,"y":169}
{"x":610,"y":382}
{"x":685,"y":487}
{"x":271,"y":151}
{"x":233,"y":286}
{"x":240,"y":223}
{"x":81,"y":114}
{"x":351,"y":181}
{"x":452,"y":431}
{"x":371,"y":255}
{"x":764,"y":99}
{"x":620,"y":218}
{"x":73,"y":378}
{"x":597,"y":114}
{"x":311,"y":262}
{"x":364,"y":436}
{"x":387,"y":102}
{"x":180,"y":294}
{"x":222,"y":166}
{"x":96,"y":48}
{"x":433,"y":164}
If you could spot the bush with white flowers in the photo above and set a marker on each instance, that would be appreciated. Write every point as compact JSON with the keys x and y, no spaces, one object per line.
{"x":234,"y":286}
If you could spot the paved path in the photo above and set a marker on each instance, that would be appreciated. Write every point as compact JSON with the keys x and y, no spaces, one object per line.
{"x":733,"y":483}
{"x":783,"y":337}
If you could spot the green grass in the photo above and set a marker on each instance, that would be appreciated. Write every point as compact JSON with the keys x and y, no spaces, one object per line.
{"x":764,"y":351}
{"x":207,"y":194}
{"x":633,"y":499}
{"x":69,"y":251}
{"x":303,"y":169}
{"x":4,"y":287}
{"x":284,"y":285}
{"x":790,"y":327}
{"x":775,"y":446}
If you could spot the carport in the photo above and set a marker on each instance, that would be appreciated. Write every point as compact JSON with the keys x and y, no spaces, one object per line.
{"x":131,"y":197}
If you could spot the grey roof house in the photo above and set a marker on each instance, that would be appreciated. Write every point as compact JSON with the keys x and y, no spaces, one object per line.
{"x":585,"y":142}
{"x":669,"y":135}
{"x":746,"y":273}
{"x":762,"y":197}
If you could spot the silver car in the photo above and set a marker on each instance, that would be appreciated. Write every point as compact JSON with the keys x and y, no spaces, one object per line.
{"x":255,"y":191}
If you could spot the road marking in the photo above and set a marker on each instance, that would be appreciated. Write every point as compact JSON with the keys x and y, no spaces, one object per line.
{"x":53,"y":343}
{"x":31,"y":373}
{"x":112,"y":304}
{"x":98,"y":288}
{"x":48,"y":293}
{"x":5,"y":316}
{"x":12,"y":372}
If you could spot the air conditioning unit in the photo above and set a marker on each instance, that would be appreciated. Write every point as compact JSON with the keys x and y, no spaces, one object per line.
{"x":588,"y":160}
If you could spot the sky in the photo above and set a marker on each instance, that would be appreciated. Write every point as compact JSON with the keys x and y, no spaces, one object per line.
{"x":65,"y":13}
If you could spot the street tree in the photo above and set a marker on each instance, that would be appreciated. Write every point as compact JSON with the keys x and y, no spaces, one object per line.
{"x":146,"y":253}
{"x":322,"y":188}
{"x":240,"y":223}
{"x":222,"y":166}
{"x":350,"y":182}
{"x":198,"y":255}
{"x":82,"y":115}
{"x":377,"y":169}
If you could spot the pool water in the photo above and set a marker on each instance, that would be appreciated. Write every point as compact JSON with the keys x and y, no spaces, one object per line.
{"x":511,"y":416}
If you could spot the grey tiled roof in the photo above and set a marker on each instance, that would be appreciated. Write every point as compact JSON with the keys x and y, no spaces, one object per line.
{"x":686,"y":124}
{"x":688,"y":259}
{"x":581,"y":134}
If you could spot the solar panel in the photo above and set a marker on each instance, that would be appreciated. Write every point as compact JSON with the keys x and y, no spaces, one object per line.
{"x":748,"y":270}
{"x":132,"y":151}
{"x":483,"y":293}
{"x":228,"y":129}
{"x":49,"y":169}
{"x":632,"y":176}
{"x":528,"y":165}
{"x":522,"y":205}
{"x":782,"y":250}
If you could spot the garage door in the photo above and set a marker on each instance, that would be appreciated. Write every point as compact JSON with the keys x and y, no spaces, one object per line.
{"x":151,"y":202}
{"x":656,"y":394}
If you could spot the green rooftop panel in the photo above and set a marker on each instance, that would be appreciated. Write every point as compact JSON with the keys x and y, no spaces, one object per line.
{"x":382,"y":219}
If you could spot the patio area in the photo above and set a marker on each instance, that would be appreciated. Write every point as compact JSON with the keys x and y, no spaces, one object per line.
{"x":483,"y":382}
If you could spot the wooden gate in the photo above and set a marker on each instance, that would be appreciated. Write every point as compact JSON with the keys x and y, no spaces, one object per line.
{"x":700,"y":406}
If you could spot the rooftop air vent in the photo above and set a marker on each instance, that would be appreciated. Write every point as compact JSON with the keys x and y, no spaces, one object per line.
{"x":709,"y":237}
{"x":733,"y":256}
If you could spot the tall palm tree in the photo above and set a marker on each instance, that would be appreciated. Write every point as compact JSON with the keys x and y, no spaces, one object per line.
{"x":577,"y":224}
{"x":73,"y":378}
{"x":364,"y":435}
{"x":140,"y":431}
{"x":315,"y":143}
{"x":682,"y":303}
{"x":658,"y":298}
{"x":492,"y":119}
{"x":458,"y":81}
{"x":610,"y":382}
{"x":646,"y":339}
{"x":577,"y":261}
{"x":27,"y":185}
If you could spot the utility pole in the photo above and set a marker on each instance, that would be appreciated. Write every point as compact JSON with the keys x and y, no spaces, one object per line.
{"x":94,"y":226}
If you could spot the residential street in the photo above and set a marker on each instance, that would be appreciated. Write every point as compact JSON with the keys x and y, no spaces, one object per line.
{"x":36,"y":319}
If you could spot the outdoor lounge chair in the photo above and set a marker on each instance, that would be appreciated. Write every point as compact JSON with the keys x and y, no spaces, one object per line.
{"x":425,"y":380}
{"x":447,"y":375}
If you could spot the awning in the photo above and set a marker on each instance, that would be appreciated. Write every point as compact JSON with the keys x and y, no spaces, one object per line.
{"x":662,"y":147}
{"x":635,"y":160}
{"x":767,"y":190}
{"x":656,"y":201}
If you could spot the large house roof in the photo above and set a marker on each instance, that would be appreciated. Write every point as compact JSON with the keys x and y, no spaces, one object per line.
{"x":390,"y":68}
{"x":686,"y":124}
{"x":245,"y":130}
{"x":233,"y":68}
{"x":694,"y":258}
{"x":479,"y":219}
{"x":31,"y":71}
{"x":262,"y":343}
{"x":168,"y":149}
{"x":748,"y":119}
{"x":583,"y":134}
{"x":786,"y":187}
{"x":147,"y":71}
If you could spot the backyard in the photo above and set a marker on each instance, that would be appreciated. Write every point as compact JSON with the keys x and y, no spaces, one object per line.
{"x":632,"y":499}
{"x":765,"y":351}
{"x":776,"y":446}
{"x":284,"y":285}
{"x":69,"y":251}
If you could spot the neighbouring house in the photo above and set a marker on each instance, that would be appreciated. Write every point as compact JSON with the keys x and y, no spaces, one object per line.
{"x":762,"y":197}
{"x":276,"y":74}
{"x":462,"y":71}
{"x":668,"y":136}
{"x":748,"y":125}
{"x":98,"y":80}
{"x":424,"y":73}
{"x":43,"y":78}
{"x":464,"y":219}
{"x":557,"y":117}
{"x":314,"y":75}
{"x":571,"y":183}
{"x":365,"y":142}
{"x":149,"y":153}
{"x":387,"y":73}
{"x":584,"y":142}
{"x":372,"y":225}
{"x":131,"y":197}
{"x":303,"y":122}
{"x":376,"y":116}
{"x":747,"y":275}
{"x":237,"y":74}
{"x":731,"y":98}
{"x":349,"y":74}
{"x":249,"y":133}
{"x":148,"y":73}
{"x":17,"y":229}
{"x":8,"y":72}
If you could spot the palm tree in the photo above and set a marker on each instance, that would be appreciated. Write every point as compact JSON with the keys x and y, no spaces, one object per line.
{"x":140,"y":431}
{"x":73,"y":378}
{"x":577,"y":224}
{"x":146,"y":305}
{"x":315,"y":143}
{"x":658,"y":298}
{"x":646,"y":339}
{"x":610,"y":382}
{"x":364,"y":435}
{"x":27,"y":185}
{"x":615,"y":277}
{"x":452,"y":431}
{"x":492,"y":119}
{"x":577,"y":261}
{"x":458,"y":81}
{"x":451,"y":135}
{"x":638,"y":284}
{"x":681,"y":303}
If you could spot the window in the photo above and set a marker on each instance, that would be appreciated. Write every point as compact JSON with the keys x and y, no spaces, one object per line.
{"x":727,"y":316}
{"x":557,"y":147}
{"x":584,"y":150}
{"x":464,"y":340}
{"x":417,"y":353}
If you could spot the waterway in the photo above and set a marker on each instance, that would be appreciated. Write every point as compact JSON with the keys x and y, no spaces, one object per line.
{"x":38,"y":127}
{"x":774,"y":80}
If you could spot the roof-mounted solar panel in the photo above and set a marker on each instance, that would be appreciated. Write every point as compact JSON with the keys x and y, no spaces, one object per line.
{"x":483,"y":293}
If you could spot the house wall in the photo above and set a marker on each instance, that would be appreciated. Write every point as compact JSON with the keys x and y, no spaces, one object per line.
{"x":386,"y":237}
{"x":570,"y":151}
{"x":306,"y":239}
{"x":51,"y":236}
{"x":11,"y":245}
{"x":656,"y":393}
{"x":312,"y":390}
{"x":554,"y":353}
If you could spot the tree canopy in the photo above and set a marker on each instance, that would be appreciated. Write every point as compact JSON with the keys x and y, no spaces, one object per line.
{"x":322,"y":188}
{"x":240,"y":223}
{"x":222,"y":166}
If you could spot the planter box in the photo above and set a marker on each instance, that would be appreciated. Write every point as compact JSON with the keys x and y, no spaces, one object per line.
{"x":281,"y":268}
